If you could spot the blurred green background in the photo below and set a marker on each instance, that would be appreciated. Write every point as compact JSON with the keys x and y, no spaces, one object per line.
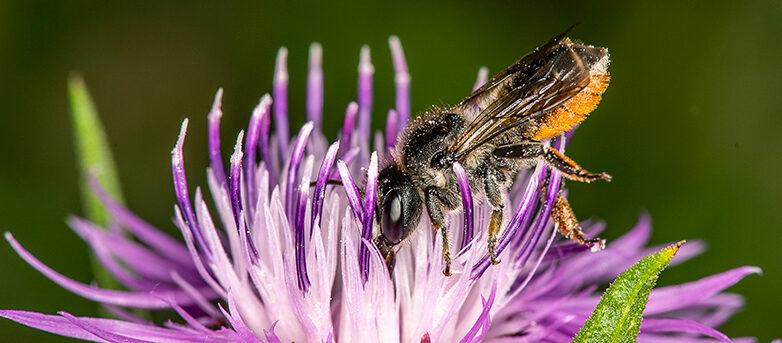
{"x":689,"y":126}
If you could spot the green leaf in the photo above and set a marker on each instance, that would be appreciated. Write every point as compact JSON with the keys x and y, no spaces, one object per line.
{"x":95,"y":160}
{"x":617,"y":317}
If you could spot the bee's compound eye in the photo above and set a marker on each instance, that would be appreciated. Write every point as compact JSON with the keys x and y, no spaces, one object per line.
{"x":395,"y":210}
{"x":391,"y":226}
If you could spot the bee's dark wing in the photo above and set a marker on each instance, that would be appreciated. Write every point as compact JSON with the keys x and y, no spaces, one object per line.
{"x":536,"y":84}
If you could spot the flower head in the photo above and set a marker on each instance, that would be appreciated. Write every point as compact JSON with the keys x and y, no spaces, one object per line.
{"x":282,"y":254}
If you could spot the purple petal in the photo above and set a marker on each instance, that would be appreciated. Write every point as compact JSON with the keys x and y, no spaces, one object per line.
{"x":280,"y":95}
{"x":192,"y":322}
{"x":200,"y":299}
{"x":348,"y":126}
{"x":554,"y":187}
{"x":392,"y":127}
{"x":121,"y":314}
{"x":266,"y":155}
{"x":103,"y":334}
{"x":102,"y":253}
{"x":483,"y":75}
{"x":235,"y":180}
{"x":214,"y":138}
{"x":235,"y":194}
{"x":62,"y":326}
{"x":254,"y":131}
{"x":106,"y":244}
{"x":163,"y":244}
{"x":672,"y":298}
{"x":182,"y":192}
{"x":467,"y":204}
{"x":402,"y":81}
{"x":351,"y":190}
{"x":300,"y":241}
{"x":320,"y":184}
{"x":54,"y":324}
{"x":150,"y":300}
{"x":293,"y":168}
{"x":525,"y":209}
{"x":315,"y":85}
{"x":365,"y":73}
{"x":555,"y":181}
{"x":666,"y":325}
{"x":134,"y":256}
{"x":271,"y":337}
{"x":483,"y":319}
{"x":238,"y":325}
{"x":369,"y":216}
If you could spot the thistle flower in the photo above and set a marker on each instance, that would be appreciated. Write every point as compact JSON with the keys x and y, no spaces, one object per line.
{"x":273,"y":258}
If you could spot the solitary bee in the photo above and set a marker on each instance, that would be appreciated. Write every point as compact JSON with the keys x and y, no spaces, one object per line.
{"x":493,"y":133}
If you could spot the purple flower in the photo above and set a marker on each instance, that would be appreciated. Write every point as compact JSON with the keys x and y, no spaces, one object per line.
{"x":282,"y":254}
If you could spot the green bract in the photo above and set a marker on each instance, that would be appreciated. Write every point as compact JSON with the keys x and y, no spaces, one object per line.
{"x":618,"y":315}
{"x":95,"y":160}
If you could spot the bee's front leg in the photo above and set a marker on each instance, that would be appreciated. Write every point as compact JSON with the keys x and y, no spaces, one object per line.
{"x":436,"y":200}
{"x":387,"y":251}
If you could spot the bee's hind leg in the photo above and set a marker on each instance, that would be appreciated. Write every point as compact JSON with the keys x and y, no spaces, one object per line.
{"x":436,"y":200}
{"x":562,"y":213}
{"x":553,"y":158}
{"x":568,"y":225}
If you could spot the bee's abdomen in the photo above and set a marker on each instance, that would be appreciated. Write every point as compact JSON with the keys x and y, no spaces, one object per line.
{"x":574,"y":111}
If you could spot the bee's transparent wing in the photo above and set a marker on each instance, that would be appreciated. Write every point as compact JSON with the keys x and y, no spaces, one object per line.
{"x":536,"y":84}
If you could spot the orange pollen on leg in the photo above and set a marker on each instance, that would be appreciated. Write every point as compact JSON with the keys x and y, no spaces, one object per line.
{"x":575,"y":110}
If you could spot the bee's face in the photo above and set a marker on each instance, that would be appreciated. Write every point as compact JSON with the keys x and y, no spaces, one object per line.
{"x":399,"y":204}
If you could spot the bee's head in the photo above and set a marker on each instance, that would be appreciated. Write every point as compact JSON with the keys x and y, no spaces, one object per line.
{"x":399,"y":204}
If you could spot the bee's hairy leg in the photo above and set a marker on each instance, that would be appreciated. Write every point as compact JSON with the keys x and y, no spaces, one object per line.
{"x":553,"y":157}
{"x":568,"y":225}
{"x":493,"y":190}
{"x":436,"y":199}
{"x":387,"y":251}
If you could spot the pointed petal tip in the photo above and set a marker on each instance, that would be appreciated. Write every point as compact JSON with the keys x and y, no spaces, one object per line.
{"x":307,"y":127}
{"x":365,"y":61}
{"x":216,"y":112}
{"x":365,"y":53}
{"x":266,"y":99}
{"x":748,"y":270}
{"x":180,"y":142}
{"x":282,"y":54}
{"x":399,"y":60}
{"x":281,"y":66}
{"x":393,"y":41}
{"x":316,"y":54}
{"x":237,"y":156}
{"x":9,"y":237}
{"x":182,"y":131}
{"x":262,"y":109}
{"x":218,"y":96}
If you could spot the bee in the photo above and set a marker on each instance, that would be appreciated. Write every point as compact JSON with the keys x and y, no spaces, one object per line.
{"x":495,"y":132}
